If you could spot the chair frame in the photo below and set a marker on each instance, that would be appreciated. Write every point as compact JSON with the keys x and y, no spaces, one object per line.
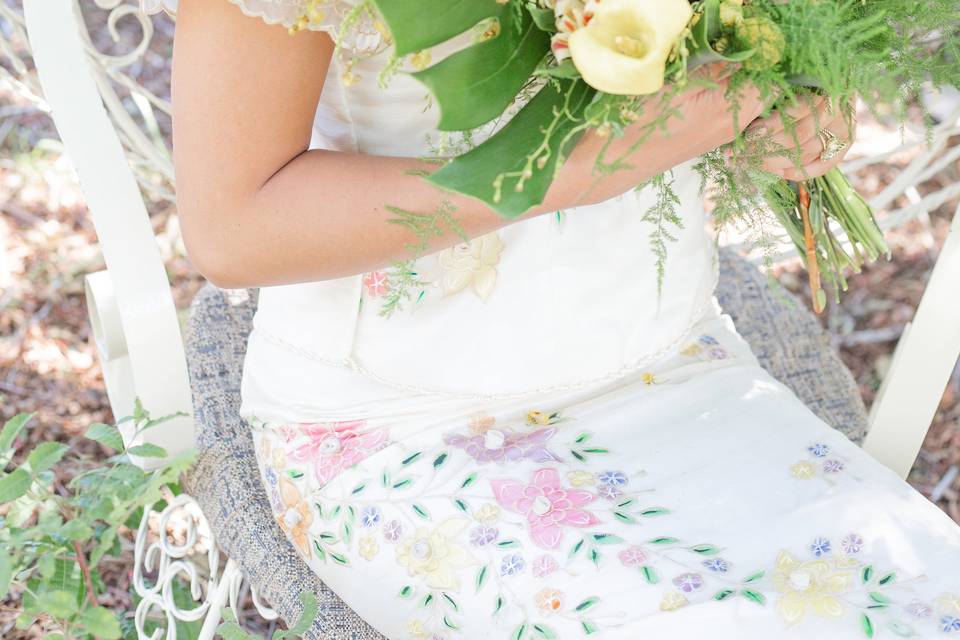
{"x":137,"y":332}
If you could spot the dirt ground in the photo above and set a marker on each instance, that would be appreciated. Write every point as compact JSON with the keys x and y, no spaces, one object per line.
{"x":47,"y":244}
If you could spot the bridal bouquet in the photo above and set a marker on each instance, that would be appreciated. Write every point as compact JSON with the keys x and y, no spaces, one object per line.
{"x":563,"y":67}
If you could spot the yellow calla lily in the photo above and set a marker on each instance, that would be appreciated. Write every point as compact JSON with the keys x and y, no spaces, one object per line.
{"x":624,"y":48}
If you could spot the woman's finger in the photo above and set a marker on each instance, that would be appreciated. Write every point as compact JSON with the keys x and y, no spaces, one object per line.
{"x":809,"y":150}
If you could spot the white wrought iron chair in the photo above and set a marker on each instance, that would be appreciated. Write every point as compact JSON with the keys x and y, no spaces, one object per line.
{"x":141,"y":345}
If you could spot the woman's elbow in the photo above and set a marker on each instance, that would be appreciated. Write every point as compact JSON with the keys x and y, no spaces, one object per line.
{"x":213,"y":253}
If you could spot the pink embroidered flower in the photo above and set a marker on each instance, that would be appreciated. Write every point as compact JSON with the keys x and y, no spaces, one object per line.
{"x":632,"y":557}
{"x":544,"y":566}
{"x":336,"y":446}
{"x":547,"y":505}
{"x":376,"y":283}
{"x":494,"y":445}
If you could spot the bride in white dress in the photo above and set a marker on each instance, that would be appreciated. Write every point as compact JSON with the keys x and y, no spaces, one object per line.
{"x":536,"y":444}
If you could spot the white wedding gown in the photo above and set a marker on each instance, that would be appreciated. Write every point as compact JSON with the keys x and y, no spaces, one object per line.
{"x":539,"y":446}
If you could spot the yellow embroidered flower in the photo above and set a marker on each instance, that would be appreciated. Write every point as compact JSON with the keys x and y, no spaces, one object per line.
{"x":538,"y":418}
{"x":549,"y":600}
{"x":296,"y":517}
{"x":691,"y":350}
{"x":471,"y":264}
{"x":803,"y":470}
{"x":624,"y":48}
{"x":435,"y":555}
{"x":279,"y":459}
{"x":415,"y":629}
{"x":673,"y":600}
{"x":809,"y":586}
{"x":948,"y":604}
{"x":581,"y":478}
{"x":368,"y":547}
{"x":648,"y":378}
{"x":487,"y":513}
{"x":480,"y":423}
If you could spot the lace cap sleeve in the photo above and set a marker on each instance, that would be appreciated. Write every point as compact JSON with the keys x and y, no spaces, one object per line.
{"x":296,"y":15}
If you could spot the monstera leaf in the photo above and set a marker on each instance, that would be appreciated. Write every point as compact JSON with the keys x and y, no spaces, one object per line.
{"x":475,"y":172}
{"x":474,"y":85}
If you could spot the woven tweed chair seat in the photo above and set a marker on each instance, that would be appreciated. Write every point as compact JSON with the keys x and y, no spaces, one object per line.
{"x":787,"y":340}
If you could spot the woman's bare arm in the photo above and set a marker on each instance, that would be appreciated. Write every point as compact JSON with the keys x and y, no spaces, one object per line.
{"x":258,"y":208}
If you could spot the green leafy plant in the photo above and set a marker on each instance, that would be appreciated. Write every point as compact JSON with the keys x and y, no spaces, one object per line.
{"x":230,"y":629}
{"x":55,"y":536}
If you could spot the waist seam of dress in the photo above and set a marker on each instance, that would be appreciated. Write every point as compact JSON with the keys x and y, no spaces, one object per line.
{"x":353,"y":363}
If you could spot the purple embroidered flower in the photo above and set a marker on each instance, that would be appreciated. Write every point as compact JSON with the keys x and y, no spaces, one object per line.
{"x":512,"y":565}
{"x":369,"y":517}
{"x":499,"y":446}
{"x":709,"y":340}
{"x":949,"y":624}
{"x":833,"y":466}
{"x":919,"y":609}
{"x":392,"y":530}
{"x":717,"y":353}
{"x":632,"y":557}
{"x":688,"y":582}
{"x":819,"y":449}
{"x":717,"y":564}
{"x":820,"y":547}
{"x":483,"y":535}
{"x":544,"y":566}
{"x":609,"y":491}
{"x":851,"y":543}
{"x":270,"y":475}
{"x":612,"y":478}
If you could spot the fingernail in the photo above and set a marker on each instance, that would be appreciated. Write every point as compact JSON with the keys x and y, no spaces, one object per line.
{"x":757,"y":131}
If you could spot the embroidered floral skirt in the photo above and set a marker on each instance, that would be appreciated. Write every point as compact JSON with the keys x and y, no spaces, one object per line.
{"x":698,"y":498}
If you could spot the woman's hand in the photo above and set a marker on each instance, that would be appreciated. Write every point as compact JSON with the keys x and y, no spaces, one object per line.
{"x":815,"y":121}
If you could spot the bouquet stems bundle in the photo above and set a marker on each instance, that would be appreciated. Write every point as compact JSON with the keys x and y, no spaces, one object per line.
{"x":564,"y":67}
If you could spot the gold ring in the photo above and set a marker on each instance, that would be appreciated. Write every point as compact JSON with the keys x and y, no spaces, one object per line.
{"x":832,"y":145}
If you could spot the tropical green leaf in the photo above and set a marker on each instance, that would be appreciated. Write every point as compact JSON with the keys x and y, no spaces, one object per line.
{"x":477,"y":84}
{"x":448,"y":18}
{"x":706,"y":31}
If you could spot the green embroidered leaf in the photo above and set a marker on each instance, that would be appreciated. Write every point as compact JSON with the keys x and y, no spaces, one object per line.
{"x":595,"y":556}
{"x":867,"y":573}
{"x":346,"y":531}
{"x":406,"y":591}
{"x":723,"y":595}
{"x":440,"y":460}
{"x":583,"y":437}
{"x":468,"y":481}
{"x":589,"y":627}
{"x":321,"y":553}
{"x":625,"y":503}
{"x":755,"y":596}
{"x":449,"y":623}
{"x":461,"y":505}
{"x":448,"y":18}
{"x":867,"y":625}
{"x":606,"y":538}
{"x":890,"y":577}
{"x":499,"y":605}
{"x":655,"y":511}
{"x":508,"y":544}
{"x":481,"y":578}
{"x":586,"y":604}
{"x":293,"y":473}
{"x":497,"y":70}
{"x":756,"y":576}
{"x":519,"y":632}
{"x":427,"y":600}
{"x":901,"y":629}
{"x":705,"y":549}
{"x":624,"y":517}
{"x":400,"y":484}
{"x":493,"y":170}
{"x":411,"y":459}
{"x":576,"y":454}
{"x":543,"y":631}
{"x":597,"y":450}
{"x":420,"y":511}
{"x":385,"y":478}
{"x":451,"y":601}
{"x":879,"y":598}
{"x":663,"y":540}
{"x":576,"y":548}
{"x":650,"y":574}
{"x":335,"y":512}
{"x":360,"y":487}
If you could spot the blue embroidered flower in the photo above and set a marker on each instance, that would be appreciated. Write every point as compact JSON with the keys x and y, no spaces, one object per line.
{"x":612,"y":478}
{"x":710,"y":340}
{"x":270,"y":475}
{"x":369,"y":516}
{"x":819,"y":449}
{"x":717,"y":564}
{"x":483,"y":535}
{"x":833,"y":466}
{"x":820,"y":547}
{"x":949,"y":624}
{"x":512,"y":565}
